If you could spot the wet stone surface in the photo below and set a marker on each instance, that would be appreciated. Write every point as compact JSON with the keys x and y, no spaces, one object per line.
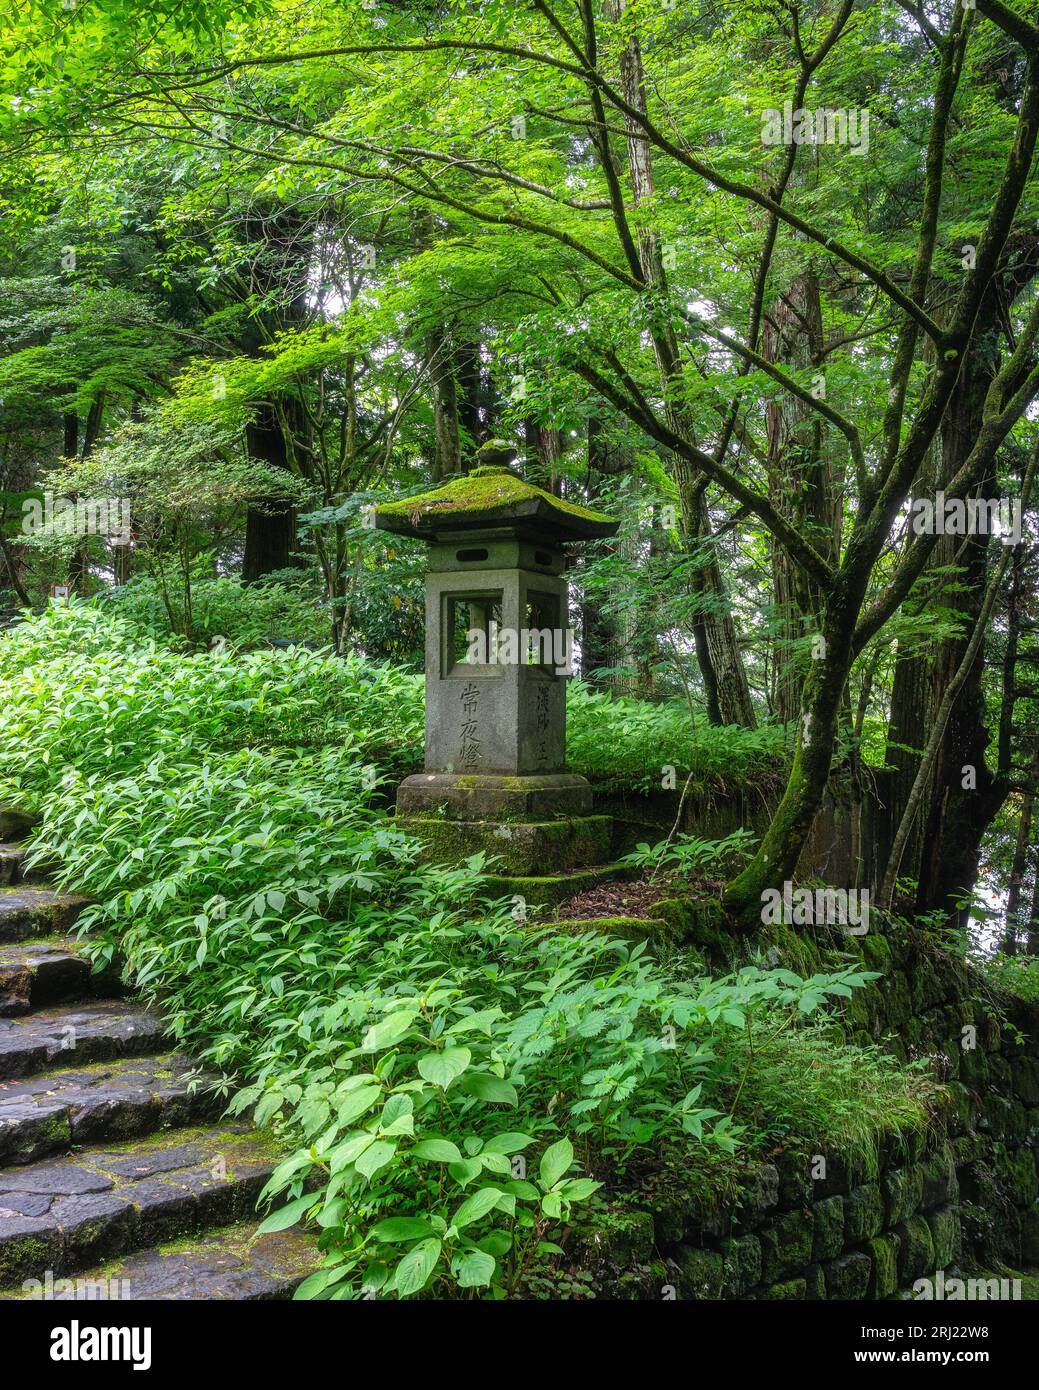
{"x":102,"y":1201}
{"x":27,"y":912}
{"x":39,"y":973}
{"x":223,"y":1265}
{"x":102,"y":1161}
{"x":86,"y":1033}
{"x":47,"y":1114}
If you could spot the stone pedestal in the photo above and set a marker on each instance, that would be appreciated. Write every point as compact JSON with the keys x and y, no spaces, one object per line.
{"x":492,"y":796}
{"x":524,"y":848}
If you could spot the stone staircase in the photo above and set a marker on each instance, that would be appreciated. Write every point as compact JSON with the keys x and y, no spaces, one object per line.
{"x":117,"y":1177}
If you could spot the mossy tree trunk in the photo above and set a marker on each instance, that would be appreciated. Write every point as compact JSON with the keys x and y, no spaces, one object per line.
{"x":821,"y":706}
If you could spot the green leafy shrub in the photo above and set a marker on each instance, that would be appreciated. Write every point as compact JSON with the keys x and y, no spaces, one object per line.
{"x":624,"y":744}
{"x":689,"y":856}
{"x":1019,"y":975}
{"x":618,"y":744}
{"x":854,"y":1095}
{"x":413,"y":1044}
{"x":98,"y":693}
{"x":244,"y":615}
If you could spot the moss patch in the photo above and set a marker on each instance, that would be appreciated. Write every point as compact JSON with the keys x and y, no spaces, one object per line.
{"x":488,"y":492}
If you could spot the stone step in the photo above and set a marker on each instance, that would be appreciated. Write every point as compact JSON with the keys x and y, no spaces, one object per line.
{"x":548,"y":890}
{"x":627,"y":928}
{"x":66,"y":1215}
{"x":15,"y":822}
{"x":11,"y":857}
{"x":36,"y":973}
{"x":79,"y":1035}
{"x":47,"y":1114}
{"x":13,"y":868}
{"x":223,"y":1266}
{"x":26,"y":912}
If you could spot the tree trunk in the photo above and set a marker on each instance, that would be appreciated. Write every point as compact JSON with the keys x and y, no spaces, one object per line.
{"x":973,"y":655}
{"x":279,"y":270}
{"x":606,"y":638}
{"x":1017,"y":873}
{"x":270,"y":531}
{"x":71,"y":434}
{"x":447,"y":449}
{"x":13,"y":570}
{"x":799,"y":484}
{"x":472,"y":401}
{"x":942,"y":850}
{"x":79,"y":563}
{"x":717,"y":647}
{"x":1032,"y":939}
{"x":822,"y":699}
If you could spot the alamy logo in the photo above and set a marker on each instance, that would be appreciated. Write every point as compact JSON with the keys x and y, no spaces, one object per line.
{"x":969,"y":1290}
{"x":970,"y":516}
{"x":78,"y":1343}
{"x":93,"y":1290}
{"x":530,"y":646}
{"x":802,"y":907}
{"x":822,"y":125}
{"x":82,"y":516}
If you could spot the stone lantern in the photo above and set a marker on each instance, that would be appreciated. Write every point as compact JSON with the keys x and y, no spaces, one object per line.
{"x":497,"y":644}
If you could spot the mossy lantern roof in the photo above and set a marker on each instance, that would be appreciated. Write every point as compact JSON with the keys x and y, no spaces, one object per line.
{"x":492,"y":498}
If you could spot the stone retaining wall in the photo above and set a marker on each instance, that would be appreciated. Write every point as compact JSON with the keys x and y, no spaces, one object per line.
{"x":963,"y":1196}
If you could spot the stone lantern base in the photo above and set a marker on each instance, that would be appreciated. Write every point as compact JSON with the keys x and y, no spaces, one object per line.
{"x":528,"y":848}
{"x":529,"y":825}
{"x":488,"y":796}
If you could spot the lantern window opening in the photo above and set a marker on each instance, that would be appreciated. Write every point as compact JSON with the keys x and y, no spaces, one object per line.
{"x":472,"y":629}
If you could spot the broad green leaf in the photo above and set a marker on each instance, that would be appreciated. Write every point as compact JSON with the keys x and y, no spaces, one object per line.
{"x":555,"y":1161}
{"x":466,"y":1171}
{"x":375,"y":1157}
{"x":580,"y":1189}
{"x":389,"y":1031}
{"x":413,"y":1273}
{"x":437,"y":1151}
{"x":358,"y":1103}
{"x":474,"y":1269}
{"x":486,"y":1087}
{"x":288,"y":1215}
{"x":511,"y":1142}
{"x":441,"y":1068}
{"x":400,"y":1228}
{"x":479,"y":1204}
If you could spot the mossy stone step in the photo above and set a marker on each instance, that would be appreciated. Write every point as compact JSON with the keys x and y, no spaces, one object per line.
{"x":627,"y":928}
{"x":81,"y":1034}
{"x":552,"y":889}
{"x":66,"y":1215}
{"x":15,"y":822}
{"x":113,"y":1101}
{"x":223,"y":1266}
{"x":26,"y":912}
{"x":36,"y":973}
{"x":13,"y":868}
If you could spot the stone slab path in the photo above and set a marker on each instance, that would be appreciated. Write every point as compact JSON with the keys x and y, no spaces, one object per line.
{"x":118,"y":1178}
